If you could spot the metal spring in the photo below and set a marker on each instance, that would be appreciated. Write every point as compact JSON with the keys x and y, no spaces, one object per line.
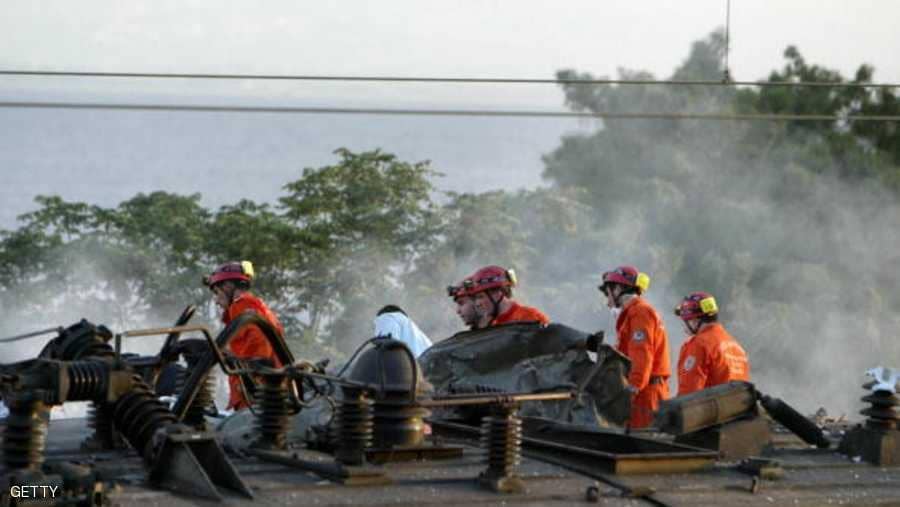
{"x":88,"y":380}
{"x":883,"y":412}
{"x":25,"y":435}
{"x":273,"y":417}
{"x":139,"y":414}
{"x":100,"y":419}
{"x":355,"y":424}
{"x":196,"y":412}
{"x":501,"y":435}
{"x":180,"y":379}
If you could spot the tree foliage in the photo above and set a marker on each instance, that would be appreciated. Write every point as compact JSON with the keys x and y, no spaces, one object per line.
{"x":362,"y":222}
{"x":340,"y":237}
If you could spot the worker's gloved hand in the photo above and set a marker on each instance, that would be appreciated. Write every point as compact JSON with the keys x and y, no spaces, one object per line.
{"x":631,"y":389}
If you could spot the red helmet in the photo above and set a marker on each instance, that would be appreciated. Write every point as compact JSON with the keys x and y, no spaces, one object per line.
{"x":239,"y":271}
{"x":696,"y":305}
{"x":628,"y":276}
{"x":489,"y":277}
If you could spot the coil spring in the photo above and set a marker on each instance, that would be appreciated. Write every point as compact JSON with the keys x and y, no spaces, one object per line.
{"x":883,"y":412}
{"x":195,"y":414}
{"x":355,"y":424}
{"x":273,"y":417}
{"x":25,"y":435}
{"x":180,"y":379}
{"x":139,"y":414}
{"x":88,"y":380}
{"x":101,"y":421}
{"x":501,"y":435}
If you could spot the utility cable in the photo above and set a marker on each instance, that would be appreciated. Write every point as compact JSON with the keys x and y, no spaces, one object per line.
{"x":452,"y":80}
{"x":447,"y":112}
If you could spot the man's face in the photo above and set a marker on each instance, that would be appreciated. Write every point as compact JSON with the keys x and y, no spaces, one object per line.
{"x":690,"y":326}
{"x":611,"y":292}
{"x":222,"y":296}
{"x":483,"y":303}
{"x":465,"y":308}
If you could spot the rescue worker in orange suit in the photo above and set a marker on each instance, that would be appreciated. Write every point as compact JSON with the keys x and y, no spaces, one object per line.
{"x":230,"y":285}
{"x":710,"y":356}
{"x":491,"y":290}
{"x":642,"y":338}
{"x":465,"y":304}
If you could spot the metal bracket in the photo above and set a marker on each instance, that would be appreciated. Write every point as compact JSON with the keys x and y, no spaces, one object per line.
{"x":194,"y":464}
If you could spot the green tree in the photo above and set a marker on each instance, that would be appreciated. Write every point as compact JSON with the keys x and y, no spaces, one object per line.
{"x":161,"y":238}
{"x":364,"y":220}
{"x":70,"y":259}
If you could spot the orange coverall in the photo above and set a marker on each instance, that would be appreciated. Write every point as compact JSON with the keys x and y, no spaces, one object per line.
{"x":643,"y":339}
{"x":521,"y":313}
{"x":250,"y":342}
{"x":709,"y":358}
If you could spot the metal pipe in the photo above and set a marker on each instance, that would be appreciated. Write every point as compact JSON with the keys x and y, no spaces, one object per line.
{"x":494,"y":399}
{"x":32,"y":334}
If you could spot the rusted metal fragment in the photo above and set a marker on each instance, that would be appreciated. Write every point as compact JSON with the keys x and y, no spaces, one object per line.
{"x":533,"y":358}
{"x":733,"y":440}
{"x":706,"y":408}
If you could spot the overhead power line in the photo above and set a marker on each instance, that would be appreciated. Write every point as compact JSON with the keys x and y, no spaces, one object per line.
{"x":445,"y":112}
{"x":456,"y":80}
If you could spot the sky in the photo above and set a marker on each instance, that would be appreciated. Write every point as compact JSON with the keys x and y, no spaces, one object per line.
{"x":526,"y":38}
{"x":106,"y":157}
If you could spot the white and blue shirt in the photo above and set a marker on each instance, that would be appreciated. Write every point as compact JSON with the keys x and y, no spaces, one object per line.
{"x":400,"y":327}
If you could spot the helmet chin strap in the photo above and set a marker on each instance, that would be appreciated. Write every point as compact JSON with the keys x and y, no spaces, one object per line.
{"x":693,"y":329}
{"x":617,"y":299}
{"x":495,"y":306}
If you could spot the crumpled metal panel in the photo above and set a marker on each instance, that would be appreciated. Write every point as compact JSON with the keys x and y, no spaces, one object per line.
{"x":527,"y":358}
